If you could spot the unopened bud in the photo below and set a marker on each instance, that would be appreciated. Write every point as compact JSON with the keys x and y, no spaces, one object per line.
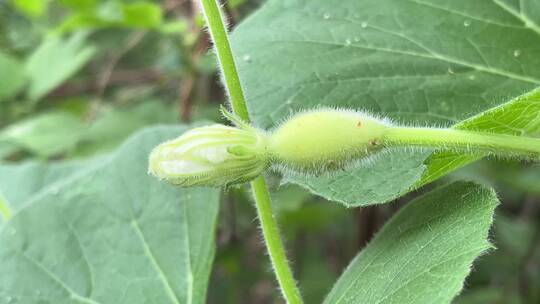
{"x":214,"y":155}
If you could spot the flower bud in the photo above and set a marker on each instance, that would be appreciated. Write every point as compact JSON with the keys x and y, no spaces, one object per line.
{"x":214,"y":155}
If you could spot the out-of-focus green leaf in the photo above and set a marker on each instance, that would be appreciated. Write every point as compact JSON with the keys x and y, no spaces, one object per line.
{"x":289,"y":198}
{"x":54,"y":61}
{"x":5,"y":211}
{"x":82,"y":21}
{"x":424,"y":253}
{"x":45,"y":135}
{"x":80,"y":5}
{"x":139,"y":14}
{"x":31,"y":8}
{"x":174,"y":27}
{"x":236,"y":3}
{"x":121,"y":235}
{"x":17,"y":34}
{"x":7,"y":149}
{"x":112,"y":127}
{"x":142,"y":14}
{"x":12,"y":77}
{"x":488,"y":296}
{"x":505,"y":231}
{"x":311,"y":217}
{"x":376,"y":55}
{"x":524,"y":179}
{"x":315,"y":277}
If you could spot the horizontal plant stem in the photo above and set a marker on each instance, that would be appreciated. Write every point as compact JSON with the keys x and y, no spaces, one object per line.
{"x":464,"y":141}
{"x":263,"y":205}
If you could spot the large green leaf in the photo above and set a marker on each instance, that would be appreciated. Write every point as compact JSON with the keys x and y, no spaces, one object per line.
{"x":19,"y":182}
{"x":54,"y":61}
{"x":115,"y":125}
{"x":419,"y":62}
{"x":375,"y":182}
{"x":423,"y":254}
{"x":112,"y":235}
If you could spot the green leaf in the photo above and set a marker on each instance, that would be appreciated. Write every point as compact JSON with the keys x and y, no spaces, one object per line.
{"x":142,"y":14}
{"x":80,"y":5}
{"x":36,"y":177}
{"x":54,"y":61}
{"x":114,"y":126}
{"x":424,"y":253}
{"x":31,"y":8}
{"x":12,"y":77}
{"x":112,"y":235}
{"x":45,"y":135}
{"x":375,"y":55}
{"x":389,"y":176}
{"x":7,"y":149}
{"x":520,"y":116}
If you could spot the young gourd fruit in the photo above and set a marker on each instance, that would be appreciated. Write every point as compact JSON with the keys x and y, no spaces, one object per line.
{"x":324,"y":140}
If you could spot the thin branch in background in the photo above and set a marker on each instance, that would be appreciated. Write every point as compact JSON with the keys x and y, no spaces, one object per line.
{"x":117,"y":78}
{"x":187,"y":95}
{"x":188,"y":85}
{"x":132,"y":40}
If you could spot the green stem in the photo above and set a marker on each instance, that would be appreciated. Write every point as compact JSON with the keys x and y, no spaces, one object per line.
{"x":269,"y":226}
{"x":273,"y":241}
{"x":466,"y":141}
{"x":214,"y":19}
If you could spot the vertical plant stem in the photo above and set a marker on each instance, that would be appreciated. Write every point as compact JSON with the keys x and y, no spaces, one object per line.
{"x":273,"y":241}
{"x":218,"y":32}
{"x":268,"y":222}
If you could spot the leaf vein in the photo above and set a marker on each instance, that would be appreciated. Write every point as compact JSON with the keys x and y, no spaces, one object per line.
{"x":153,"y":261}
{"x":56,"y":279}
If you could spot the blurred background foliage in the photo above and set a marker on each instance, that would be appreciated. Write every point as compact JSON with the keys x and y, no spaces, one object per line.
{"x":77,"y":77}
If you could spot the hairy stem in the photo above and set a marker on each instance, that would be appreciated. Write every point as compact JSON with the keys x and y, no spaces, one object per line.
{"x":214,"y":19}
{"x":273,"y":241}
{"x":269,"y":227}
{"x":465,"y":141}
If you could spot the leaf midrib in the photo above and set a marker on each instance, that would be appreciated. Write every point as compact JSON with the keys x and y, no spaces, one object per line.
{"x":150,"y":255}
{"x":522,"y":17}
{"x":432,"y":55}
{"x":450,"y":226}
